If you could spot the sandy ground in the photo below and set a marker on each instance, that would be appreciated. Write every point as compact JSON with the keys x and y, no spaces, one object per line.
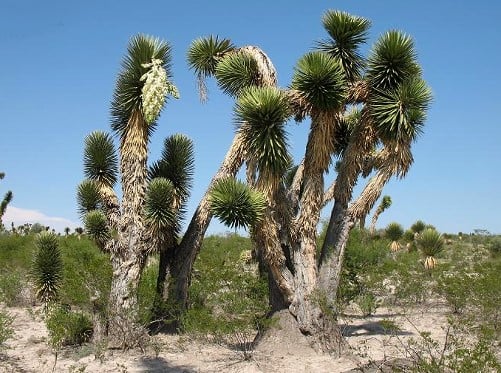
{"x":283,"y":351}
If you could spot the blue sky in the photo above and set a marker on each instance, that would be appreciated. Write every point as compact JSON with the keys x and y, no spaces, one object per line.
{"x":59,"y":61}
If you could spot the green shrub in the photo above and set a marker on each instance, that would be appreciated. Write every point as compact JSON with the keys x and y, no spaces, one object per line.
{"x":67,"y":327}
{"x":6,"y":330}
{"x":494,"y":246}
{"x":367,"y":303}
{"x":11,"y":287}
{"x":227,"y":294}
{"x":87,"y":273}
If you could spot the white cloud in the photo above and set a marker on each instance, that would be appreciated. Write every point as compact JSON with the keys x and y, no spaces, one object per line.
{"x":21,"y":216}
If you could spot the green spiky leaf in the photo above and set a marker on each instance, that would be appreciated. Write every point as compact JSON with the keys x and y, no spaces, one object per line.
{"x":100,"y":159}
{"x":237,"y":71}
{"x":430,"y":242}
{"x":88,"y":197}
{"x":235,"y":204}
{"x":346,"y":33}
{"x":400,"y":114}
{"x":392,"y":61}
{"x":394,"y":231}
{"x":260,"y":113}
{"x":160,"y":211}
{"x":320,"y":79}
{"x":96,"y":226}
{"x":176,"y":165}
{"x":47,"y":267}
{"x":418,"y":226}
{"x":127,"y":98}
{"x":203,"y":57}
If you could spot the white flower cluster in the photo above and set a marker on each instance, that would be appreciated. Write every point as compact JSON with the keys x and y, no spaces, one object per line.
{"x":155,"y":90}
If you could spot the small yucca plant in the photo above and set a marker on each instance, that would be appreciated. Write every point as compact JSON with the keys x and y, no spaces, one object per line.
{"x":47,"y":268}
{"x":431,"y":243}
{"x":394,"y":232}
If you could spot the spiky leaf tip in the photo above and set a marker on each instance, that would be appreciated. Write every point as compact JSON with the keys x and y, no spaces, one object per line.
{"x":128,"y":95}
{"x":203,"y":57}
{"x":346,"y":33}
{"x":320,"y":79}
{"x":236,"y":204}
{"x":100,"y":159}
{"x":88,"y":197}
{"x":260,"y":114}
{"x":399,"y":114}
{"x":176,"y":164}
{"x":237,"y":71}
{"x":430,"y":242}
{"x":160,"y":210}
{"x":96,"y":226}
{"x":392,"y":60}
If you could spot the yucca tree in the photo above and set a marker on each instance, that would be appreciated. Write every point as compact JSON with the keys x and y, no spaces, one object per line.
{"x":6,"y":200}
{"x":384,"y":205}
{"x":431,"y":244}
{"x":418,"y":227}
{"x":394,"y":232}
{"x":123,"y":228}
{"x":47,"y":268}
{"x":374,"y":137}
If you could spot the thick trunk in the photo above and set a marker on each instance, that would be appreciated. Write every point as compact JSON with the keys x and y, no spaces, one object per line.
{"x":129,"y":248}
{"x":123,"y":330}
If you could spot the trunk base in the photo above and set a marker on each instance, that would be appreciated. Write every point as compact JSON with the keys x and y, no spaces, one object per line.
{"x":284,"y":335}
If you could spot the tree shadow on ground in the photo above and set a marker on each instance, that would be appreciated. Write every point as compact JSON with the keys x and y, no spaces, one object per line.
{"x":160,"y":365}
{"x":371,"y":328}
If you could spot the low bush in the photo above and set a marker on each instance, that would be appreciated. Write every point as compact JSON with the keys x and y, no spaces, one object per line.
{"x":67,"y":328}
{"x":6,"y":330}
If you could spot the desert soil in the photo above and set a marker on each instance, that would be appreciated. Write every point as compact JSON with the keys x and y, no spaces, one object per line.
{"x":283,"y":351}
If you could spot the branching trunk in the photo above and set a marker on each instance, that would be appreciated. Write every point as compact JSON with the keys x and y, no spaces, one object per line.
{"x":188,"y":249}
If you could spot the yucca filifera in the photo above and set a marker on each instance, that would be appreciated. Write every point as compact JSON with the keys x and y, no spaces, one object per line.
{"x":47,"y":267}
{"x":394,"y":232}
{"x":431,"y":243}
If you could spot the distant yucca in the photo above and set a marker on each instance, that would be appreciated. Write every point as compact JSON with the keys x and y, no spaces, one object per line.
{"x":155,"y":90}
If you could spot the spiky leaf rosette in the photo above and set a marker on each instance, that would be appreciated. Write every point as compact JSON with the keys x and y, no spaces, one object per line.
{"x":96,"y":226}
{"x":394,"y":231}
{"x":430,"y":242}
{"x":418,"y":226}
{"x":128,"y":96}
{"x":88,"y":197}
{"x":176,"y":165}
{"x":260,"y":113}
{"x":7,"y":198}
{"x":392,"y":61}
{"x":155,"y":90}
{"x":203,"y":57}
{"x":346,"y":33}
{"x":237,"y":71}
{"x":100,"y":159}
{"x":320,"y":80}
{"x":399,"y":114}
{"x":235,"y":204}
{"x":159,"y":206}
{"x":47,"y":267}
{"x":385,"y":203}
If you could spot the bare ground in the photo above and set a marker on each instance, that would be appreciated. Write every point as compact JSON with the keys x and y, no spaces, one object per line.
{"x":284,"y":350}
